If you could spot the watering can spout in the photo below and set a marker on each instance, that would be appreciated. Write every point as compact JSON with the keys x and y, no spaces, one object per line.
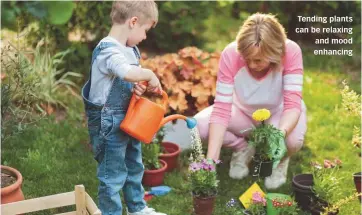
{"x":190,"y":122}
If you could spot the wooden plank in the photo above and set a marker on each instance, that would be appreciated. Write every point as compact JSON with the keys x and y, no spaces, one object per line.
{"x":37,"y":204}
{"x":91,"y":206}
{"x":68,"y":213}
{"x":80,"y":200}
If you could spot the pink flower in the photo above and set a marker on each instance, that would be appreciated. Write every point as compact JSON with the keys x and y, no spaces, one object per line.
{"x":258,"y":198}
{"x":338,"y":161}
{"x":328,"y":164}
{"x":194,"y":167}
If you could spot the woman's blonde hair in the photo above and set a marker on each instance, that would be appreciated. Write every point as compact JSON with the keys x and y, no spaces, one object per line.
{"x":265,"y":32}
{"x":145,"y":10}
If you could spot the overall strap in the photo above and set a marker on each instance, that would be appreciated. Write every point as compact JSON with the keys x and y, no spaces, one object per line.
{"x":86,"y":87}
{"x":97,"y":51}
{"x":137,"y":52}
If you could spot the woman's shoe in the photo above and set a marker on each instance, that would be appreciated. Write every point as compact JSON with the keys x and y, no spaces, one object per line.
{"x":279,"y":175}
{"x":239,"y":163}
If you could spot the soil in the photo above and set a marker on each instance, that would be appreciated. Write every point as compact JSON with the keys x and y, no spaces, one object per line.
{"x":7,"y":180}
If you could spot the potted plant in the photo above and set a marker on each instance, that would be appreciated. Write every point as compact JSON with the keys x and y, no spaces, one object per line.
{"x":357,"y":182}
{"x":202,"y":177}
{"x":232,"y":207}
{"x":155,"y":168}
{"x":278,"y":203}
{"x":204,"y":185}
{"x":169,"y":151}
{"x":11,"y":182}
{"x":302,"y":188}
{"x":316,"y":191}
{"x":333,"y":208}
{"x":266,"y":139}
{"x":257,"y":205}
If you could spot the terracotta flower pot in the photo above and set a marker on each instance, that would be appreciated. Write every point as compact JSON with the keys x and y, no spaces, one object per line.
{"x":261,"y":168}
{"x":203,"y":205}
{"x":171,"y":154}
{"x":357,"y":182}
{"x":155,"y":177}
{"x":13,"y":192}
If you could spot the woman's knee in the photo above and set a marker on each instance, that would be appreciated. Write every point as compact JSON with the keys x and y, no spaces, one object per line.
{"x":294,"y":143}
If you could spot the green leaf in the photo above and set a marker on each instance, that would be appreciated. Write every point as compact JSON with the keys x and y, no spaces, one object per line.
{"x":8,"y":17}
{"x":59,"y":12}
{"x":36,"y":9}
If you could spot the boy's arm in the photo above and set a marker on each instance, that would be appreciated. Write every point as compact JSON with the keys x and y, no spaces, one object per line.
{"x":118,"y":64}
{"x":137,"y":74}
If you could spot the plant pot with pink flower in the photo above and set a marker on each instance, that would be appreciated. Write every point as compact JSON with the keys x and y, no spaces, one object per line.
{"x":257,"y":205}
{"x":204,"y":183}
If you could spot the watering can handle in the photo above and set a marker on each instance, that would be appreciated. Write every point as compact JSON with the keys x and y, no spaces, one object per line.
{"x":164,"y":97}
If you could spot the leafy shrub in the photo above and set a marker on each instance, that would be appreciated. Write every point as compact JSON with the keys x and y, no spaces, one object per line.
{"x":31,"y":80}
{"x":188,"y":77}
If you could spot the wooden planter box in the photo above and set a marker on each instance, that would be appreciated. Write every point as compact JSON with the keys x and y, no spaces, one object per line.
{"x":83,"y":202}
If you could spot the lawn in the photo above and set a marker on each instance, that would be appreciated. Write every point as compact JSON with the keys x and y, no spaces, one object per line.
{"x":54,"y":156}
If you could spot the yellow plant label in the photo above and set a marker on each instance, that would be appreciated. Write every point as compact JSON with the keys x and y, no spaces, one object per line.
{"x":246,"y":197}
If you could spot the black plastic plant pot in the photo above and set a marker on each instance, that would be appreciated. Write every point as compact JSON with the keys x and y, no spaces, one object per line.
{"x":261,"y":168}
{"x":357,"y":182}
{"x":317,"y":208}
{"x":302,"y":188}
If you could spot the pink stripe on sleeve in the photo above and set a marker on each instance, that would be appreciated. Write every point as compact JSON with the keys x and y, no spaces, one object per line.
{"x":221,"y":113}
{"x":293,"y":76}
{"x":225,"y":81}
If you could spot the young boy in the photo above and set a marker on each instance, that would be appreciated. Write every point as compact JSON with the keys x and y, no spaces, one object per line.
{"x":113,"y":79}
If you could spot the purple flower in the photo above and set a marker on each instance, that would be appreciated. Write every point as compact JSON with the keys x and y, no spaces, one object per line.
{"x":231,"y":203}
{"x":217,"y":161}
{"x":194,"y":167}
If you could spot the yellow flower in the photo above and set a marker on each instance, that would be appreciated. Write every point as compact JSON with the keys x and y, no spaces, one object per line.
{"x":261,"y":115}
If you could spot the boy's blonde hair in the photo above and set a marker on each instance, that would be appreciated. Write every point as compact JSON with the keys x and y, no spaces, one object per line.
{"x":264,"y":31}
{"x":145,"y":10}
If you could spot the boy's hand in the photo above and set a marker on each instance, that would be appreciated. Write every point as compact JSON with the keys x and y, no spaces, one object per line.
{"x":154,"y":85}
{"x":139,"y":89}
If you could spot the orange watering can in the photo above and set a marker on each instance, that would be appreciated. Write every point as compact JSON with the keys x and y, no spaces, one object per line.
{"x":144,"y":118}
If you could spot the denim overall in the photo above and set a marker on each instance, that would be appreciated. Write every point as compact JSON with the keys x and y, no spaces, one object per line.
{"x":118,"y":155}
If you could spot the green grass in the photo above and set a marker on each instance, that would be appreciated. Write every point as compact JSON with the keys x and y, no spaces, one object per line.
{"x":53,"y":157}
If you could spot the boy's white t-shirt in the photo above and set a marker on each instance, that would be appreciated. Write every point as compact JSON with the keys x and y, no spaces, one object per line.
{"x":111,"y":62}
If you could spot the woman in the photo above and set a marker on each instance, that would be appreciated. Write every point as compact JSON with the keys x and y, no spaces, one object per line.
{"x":261,"y":69}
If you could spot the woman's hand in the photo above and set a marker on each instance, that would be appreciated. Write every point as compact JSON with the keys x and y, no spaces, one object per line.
{"x":279,"y":151}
